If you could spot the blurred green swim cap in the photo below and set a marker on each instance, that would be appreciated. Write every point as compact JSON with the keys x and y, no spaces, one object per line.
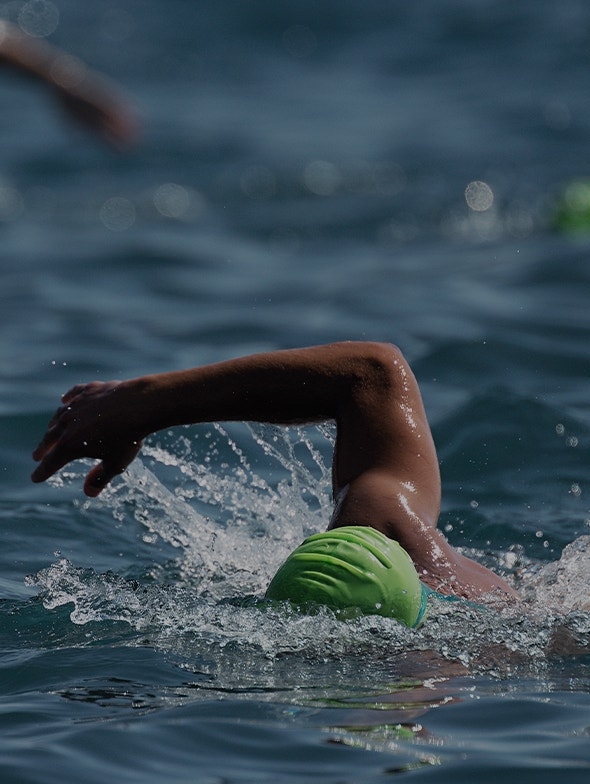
{"x":353,"y":570}
{"x":572,"y":211}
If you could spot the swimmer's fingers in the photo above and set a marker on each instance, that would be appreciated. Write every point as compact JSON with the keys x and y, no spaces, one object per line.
{"x":55,"y":430}
{"x":92,"y":388}
{"x":92,"y":422}
{"x":73,"y":393}
{"x":76,"y":429}
{"x":52,"y":459}
{"x":69,"y":412}
{"x":57,"y":421}
{"x":99,"y":475}
{"x":104,"y":472}
{"x":57,"y":448}
{"x":57,"y":425}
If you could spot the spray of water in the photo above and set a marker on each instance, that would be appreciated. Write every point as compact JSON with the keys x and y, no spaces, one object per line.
{"x":234,"y":503}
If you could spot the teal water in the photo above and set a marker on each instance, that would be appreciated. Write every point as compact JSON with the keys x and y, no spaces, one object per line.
{"x":303,"y":175}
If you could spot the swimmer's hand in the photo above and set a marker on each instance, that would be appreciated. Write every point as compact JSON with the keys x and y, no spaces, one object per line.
{"x":96,"y":420}
{"x":99,"y":109}
{"x":88,"y":97}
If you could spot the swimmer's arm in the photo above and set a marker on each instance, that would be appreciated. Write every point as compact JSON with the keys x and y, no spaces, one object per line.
{"x":87,"y":96}
{"x":364,"y":387}
{"x":22,"y":53}
{"x":385,"y":466}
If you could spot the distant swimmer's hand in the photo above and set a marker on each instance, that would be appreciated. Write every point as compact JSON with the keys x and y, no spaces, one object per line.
{"x":94,"y":421}
{"x":92,"y":105}
{"x":87,"y":96}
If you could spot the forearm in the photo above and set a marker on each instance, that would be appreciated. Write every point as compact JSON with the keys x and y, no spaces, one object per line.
{"x":366,"y":387}
{"x":282,"y":387}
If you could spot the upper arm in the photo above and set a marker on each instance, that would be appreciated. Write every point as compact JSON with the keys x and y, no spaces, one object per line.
{"x":385,"y":453}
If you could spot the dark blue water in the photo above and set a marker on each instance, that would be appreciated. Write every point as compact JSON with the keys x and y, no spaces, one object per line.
{"x":306,"y":172}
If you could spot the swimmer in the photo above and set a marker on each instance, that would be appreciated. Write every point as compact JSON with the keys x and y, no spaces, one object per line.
{"x":385,"y":473}
{"x":86,"y":96}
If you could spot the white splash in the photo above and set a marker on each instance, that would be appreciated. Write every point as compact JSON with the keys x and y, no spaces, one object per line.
{"x":562,"y":586}
{"x":233,"y":523}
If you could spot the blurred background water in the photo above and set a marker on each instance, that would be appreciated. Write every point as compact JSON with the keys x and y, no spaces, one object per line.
{"x":306,"y":172}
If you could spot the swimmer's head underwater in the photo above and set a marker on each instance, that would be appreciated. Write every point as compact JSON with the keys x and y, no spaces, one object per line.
{"x":353,"y":570}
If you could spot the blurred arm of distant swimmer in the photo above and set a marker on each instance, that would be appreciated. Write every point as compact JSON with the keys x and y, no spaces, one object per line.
{"x":385,"y":469}
{"x":88,"y":97}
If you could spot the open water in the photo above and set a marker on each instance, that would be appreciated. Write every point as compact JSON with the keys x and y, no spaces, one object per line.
{"x":307,"y":171}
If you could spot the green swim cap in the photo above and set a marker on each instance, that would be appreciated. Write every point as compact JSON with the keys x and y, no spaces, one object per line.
{"x":353,"y":570}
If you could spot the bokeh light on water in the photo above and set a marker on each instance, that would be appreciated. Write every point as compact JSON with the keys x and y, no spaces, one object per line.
{"x":38,"y":18}
{"x":479,"y":196}
{"x":172,"y":200}
{"x":321,"y":177}
{"x":68,"y":71}
{"x":118,"y":213}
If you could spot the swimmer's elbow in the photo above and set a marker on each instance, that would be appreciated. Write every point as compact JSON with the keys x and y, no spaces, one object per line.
{"x":380,"y":366}
{"x":383,"y":355}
